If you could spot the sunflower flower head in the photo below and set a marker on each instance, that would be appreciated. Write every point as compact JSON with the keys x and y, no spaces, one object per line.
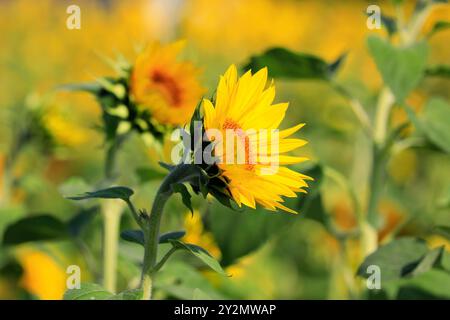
{"x":243,"y":122}
{"x":165,"y":87}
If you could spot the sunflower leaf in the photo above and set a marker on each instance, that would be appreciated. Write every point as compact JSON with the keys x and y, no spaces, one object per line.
{"x":396,"y":259}
{"x":283,"y":63}
{"x":87,"y":291}
{"x":434,"y":123}
{"x":200,"y":253}
{"x":400,"y":67}
{"x":137,"y":236}
{"x":119,"y":192}
{"x":35,"y":228}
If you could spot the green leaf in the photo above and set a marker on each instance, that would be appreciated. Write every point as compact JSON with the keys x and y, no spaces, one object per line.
{"x":9,"y":215}
{"x":438,"y":71}
{"x":435,"y":123}
{"x":135,"y":236}
{"x":174,"y":235}
{"x":283,"y":63}
{"x":401,"y":68}
{"x":185,"y":195}
{"x":179,"y":279}
{"x":200,"y":253}
{"x":200,"y":295}
{"x":166,"y":166}
{"x":87,"y":291}
{"x":439,"y":26}
{"x":148,"y":174}
{"x":432,"y":284}
{"x":36,"y":228}
{"x":135,"y":294}
{"x":395,"y":259}
{"x":430,"y":260}
{"x":123,"y":193}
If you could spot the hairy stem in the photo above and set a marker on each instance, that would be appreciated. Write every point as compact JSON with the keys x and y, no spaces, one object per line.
{"x":151,"y":230}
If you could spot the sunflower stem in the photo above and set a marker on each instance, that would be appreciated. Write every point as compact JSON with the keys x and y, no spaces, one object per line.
{"x":151,"y":229}
{"x":111,"y":220}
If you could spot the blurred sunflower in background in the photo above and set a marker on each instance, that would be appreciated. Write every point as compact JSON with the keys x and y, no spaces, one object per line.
{"x":245,"y":106}
{"x":168,"y":88}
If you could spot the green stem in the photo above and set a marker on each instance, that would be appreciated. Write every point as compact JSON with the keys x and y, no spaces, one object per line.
{"x":111,"y":221}
{"x":111,"y":212}
{"x":151,"y":230}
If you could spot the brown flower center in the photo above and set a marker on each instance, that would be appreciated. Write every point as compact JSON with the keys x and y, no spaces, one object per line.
{"x":232,"y":125}
{"x":168,"y":85}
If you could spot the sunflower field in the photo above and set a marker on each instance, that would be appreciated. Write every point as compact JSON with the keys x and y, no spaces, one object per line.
{"x":224,"y":149}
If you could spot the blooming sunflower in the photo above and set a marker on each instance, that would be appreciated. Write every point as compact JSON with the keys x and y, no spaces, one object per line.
{"x":167,"y":88}
{"x":244,"y":106}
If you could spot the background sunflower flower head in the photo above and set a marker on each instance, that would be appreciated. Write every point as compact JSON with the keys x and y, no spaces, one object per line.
{"x":164,"y":86}
{"x":153,"y":95}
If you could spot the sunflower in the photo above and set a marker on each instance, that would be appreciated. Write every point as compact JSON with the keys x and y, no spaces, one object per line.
{"x":245,"y":107}
{"x":167,"y":88}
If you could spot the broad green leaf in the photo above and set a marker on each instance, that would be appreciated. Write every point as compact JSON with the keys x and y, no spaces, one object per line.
{"x":400,"y":67}
{"x":185,"y":195}
{"x":432,"y":284}
{"x":395,"y":259}
{"x":200,"y":253}
{"x":148,"y":174}
{"x":283,"y":63}
{"x":179,"y":280}
{"x":136,"y":236}
{"x":200,"y":295}
{"x":9,"y":215}
{"x":123,"y":193}
{"x":435,"y":123}
{"x":166,"y":166}
{"x":35,"y":228}
{"x":430,"y":260}
{"x":87,"y":291}
{"x":438,"y":71}
{"x":135,"y":294}
{"x":174,"y":235}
